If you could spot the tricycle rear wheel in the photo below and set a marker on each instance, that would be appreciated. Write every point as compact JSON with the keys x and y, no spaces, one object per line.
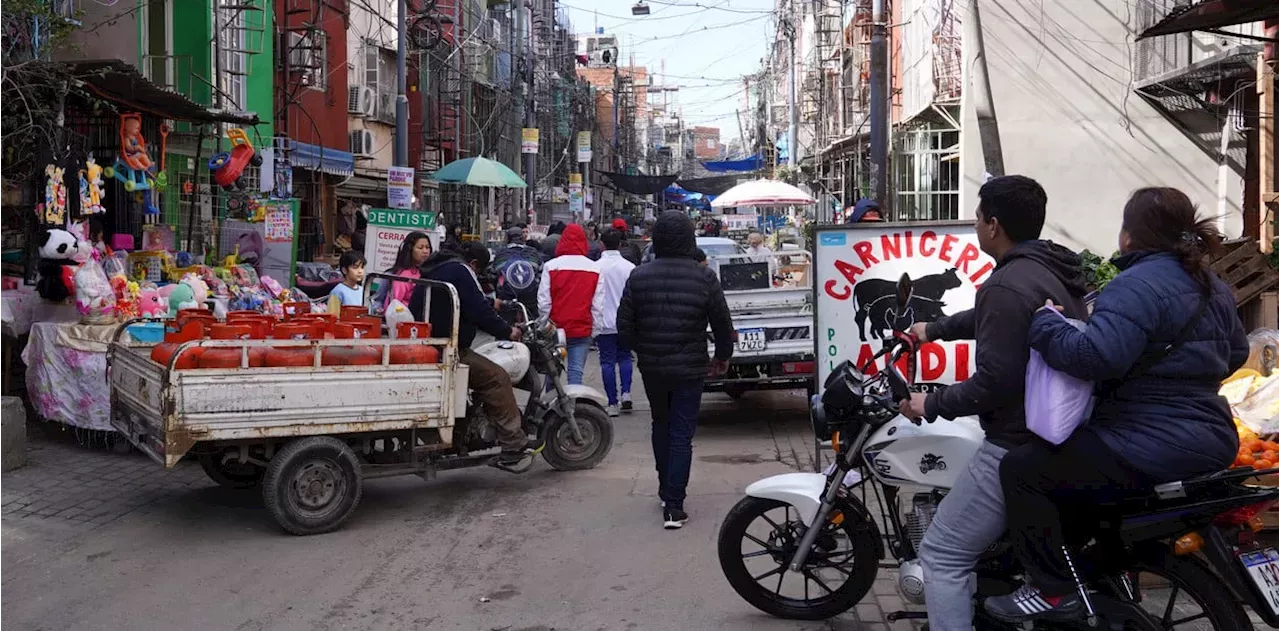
{"x":313,"y":485}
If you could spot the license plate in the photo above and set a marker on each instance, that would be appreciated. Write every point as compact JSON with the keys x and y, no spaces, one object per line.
{"x":751,"y":340}
{"x":1261,"y":567}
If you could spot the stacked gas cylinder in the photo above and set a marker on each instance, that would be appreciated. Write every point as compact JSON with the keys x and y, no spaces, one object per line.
{"x":298,"y":324}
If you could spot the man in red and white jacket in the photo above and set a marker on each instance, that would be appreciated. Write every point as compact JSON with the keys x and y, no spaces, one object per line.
{"x":572,"y":293}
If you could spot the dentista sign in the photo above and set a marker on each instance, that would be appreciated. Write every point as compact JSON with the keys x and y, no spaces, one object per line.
{"x":856,"y":271}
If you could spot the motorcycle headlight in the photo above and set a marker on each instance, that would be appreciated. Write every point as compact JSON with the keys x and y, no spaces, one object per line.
{"x":818,"y":418}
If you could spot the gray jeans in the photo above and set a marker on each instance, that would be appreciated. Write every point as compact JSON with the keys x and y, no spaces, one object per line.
{"x":969,"y":520}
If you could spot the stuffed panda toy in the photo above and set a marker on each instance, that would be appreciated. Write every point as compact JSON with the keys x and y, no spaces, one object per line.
{"x":57,"y":266}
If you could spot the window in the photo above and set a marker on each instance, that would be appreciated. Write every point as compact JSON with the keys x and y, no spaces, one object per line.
{"x":229,"y":20}
{"x":927,"y":174}
{"x":157,"y":34}
{"x":308,"y":58}
{"x":380,"y":76}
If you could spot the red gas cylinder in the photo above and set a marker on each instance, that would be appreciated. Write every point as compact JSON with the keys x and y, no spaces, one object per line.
{"x":290,"y":356}
{"x":224,"y":357}
{"x":414,"y":353}
{"x":349,"y":355}
{"x":173,"y":338}
{"x":260,"y":326}
{"x":351,"y":312}
{"x":325,"y":320}
{"x":295,"y":309}
{"x":374,"y":324}
{"x":187,"y":315}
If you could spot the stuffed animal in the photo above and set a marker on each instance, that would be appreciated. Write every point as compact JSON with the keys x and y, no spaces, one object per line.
{"x":95,"y":299}
{"x":57,"y":266}
{"x":151,"y":305}
{"x":199,"y":289}
{"x":182,"y":297}
{"x":91,"y":192}
{"x":219,"y":307}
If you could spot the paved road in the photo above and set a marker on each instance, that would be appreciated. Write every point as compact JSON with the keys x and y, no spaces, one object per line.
{"x":93,"y":540}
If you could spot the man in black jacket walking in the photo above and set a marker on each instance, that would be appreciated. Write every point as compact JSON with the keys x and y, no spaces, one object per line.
{"x":488,"y":381}
{"x":665,"y":309}
{"x":1010,"y":215}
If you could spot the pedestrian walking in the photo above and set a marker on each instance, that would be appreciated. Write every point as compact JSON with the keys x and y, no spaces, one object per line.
{"x":663,"y":315}
{"x":571,"y":292}
{"x":614,"y":272}
{"x":629,"y":248}
{"x":552,"y":239}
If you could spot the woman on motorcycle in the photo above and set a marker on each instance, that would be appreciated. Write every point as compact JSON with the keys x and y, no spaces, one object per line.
{"x":1162,"y":336}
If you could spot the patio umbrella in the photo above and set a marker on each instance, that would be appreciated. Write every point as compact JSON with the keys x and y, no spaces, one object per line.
{"x":479,"y":172}
{"x":763,"y":193}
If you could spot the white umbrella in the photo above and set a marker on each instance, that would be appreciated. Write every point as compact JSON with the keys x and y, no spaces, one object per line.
{"x":763,"y":193}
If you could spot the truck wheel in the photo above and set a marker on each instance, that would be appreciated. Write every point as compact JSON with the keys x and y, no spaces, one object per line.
{"x":231,"y":475}
{"x":563,"y":453}
{"x":312,"y":485}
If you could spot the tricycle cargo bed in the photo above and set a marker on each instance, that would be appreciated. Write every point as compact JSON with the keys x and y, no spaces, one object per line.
{"x":165,"y":412}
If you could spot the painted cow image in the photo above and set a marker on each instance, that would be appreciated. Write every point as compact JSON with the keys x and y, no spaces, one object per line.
{"x":876,"y":300}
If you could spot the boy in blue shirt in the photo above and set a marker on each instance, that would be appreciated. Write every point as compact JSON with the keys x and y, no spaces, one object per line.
{"x":350,"y":292}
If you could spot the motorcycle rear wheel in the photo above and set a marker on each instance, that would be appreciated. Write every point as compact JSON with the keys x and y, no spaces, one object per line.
{"x":1187,"y":574}
{"x":859,"y":569}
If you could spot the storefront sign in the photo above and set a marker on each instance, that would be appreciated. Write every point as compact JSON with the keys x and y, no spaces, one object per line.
{"x":577,"y":203}
{"x":857,"y":269}
{"x":387,"y":230}
{"x":739,"y":222}
{"x":584,"y":146}
{"x":400,"y":187}
{"x":529,"y":140}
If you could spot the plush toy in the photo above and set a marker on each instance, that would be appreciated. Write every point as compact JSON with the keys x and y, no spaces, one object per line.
{"x":151,"y":305}
{"x":91,"y":192}
{"x":57,"y":266}
{"x":219,"y":306}
{"x":182,"y":298}
{"x":199,"y":290}
{"x":95,"y":299}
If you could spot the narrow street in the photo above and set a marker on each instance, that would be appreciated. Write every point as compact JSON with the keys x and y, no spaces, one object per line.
{"x":93,"y":540}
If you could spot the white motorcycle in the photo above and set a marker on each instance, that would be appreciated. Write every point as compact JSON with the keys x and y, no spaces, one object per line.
{"x":805,"y":546}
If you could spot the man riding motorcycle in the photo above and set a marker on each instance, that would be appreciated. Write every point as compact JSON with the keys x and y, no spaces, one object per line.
{"x":518,"y":268}
{"x":489,"y":381}
{"x":1010,"y":215}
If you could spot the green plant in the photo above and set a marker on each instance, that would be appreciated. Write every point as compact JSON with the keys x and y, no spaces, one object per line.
{"x":1097,"y":270}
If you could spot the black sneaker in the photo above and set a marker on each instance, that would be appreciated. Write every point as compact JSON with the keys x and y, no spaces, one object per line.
{"x":673,"y":518}
{"x":626,"y":402}
{"x":1029,"y":603}
{"x":519,"y":461}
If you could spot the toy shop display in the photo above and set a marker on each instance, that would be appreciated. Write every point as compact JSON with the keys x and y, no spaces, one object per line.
{"x":58,"y":251}
{"x":133,"y":166}
{"x":91,"y":192}
{"x":228,"y":167}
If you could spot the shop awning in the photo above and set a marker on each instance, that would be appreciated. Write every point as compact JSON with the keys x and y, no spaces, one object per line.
{"x":323,"y":159}
{"x":1211,"y":15}
{"x":713,"y":185}
{"x":725,"y":166}
{"x":640,"y":184}
{"x":118,"y":82}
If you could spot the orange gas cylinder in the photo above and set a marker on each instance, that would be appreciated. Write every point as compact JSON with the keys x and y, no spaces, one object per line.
{"x":414,"y":353}
{"x":225,"y":357}
{"x":326,"y":320}
{"x":351,"y":312}
{"x":349,"y":355}
{"x":163,"y":352}
{"x":374,"y":323}
{"x":260,"y":326}
{"x":187,"y":315}
{"x":365,"y":328}
{"x":290,"y":356}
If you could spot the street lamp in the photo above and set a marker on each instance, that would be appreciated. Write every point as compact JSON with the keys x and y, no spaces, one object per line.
{"x":640,"y":8}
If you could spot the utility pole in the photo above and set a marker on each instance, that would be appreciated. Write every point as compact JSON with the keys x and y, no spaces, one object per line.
{"x":983,"y":104}
{"x":402,"y":89}
{"x":879,"y":105}
{"x":793,"y":115}
{"x":521,"y":78}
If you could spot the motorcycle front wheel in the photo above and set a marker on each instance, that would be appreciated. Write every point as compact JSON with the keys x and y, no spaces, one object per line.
{"x":757,"y":542}
{"x":566,"y":454}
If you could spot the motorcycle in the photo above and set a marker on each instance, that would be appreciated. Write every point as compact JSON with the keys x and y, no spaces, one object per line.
{"x":819,"y":548}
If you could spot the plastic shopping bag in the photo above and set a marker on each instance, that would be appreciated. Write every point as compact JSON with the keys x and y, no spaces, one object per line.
{"x":1056,"y":403}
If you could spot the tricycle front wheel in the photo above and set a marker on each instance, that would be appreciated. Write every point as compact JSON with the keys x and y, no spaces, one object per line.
{"x":566,"y":454}
{"x":313,"y":485}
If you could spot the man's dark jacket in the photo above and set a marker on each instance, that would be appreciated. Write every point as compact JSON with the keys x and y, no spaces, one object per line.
{"x":668,"y":303}
{"x":476,"y":309}
{"x":507,"y":288}
{"x":1028,"y":274}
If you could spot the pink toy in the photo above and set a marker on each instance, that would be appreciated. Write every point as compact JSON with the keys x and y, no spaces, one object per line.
{"x":152,"y":304}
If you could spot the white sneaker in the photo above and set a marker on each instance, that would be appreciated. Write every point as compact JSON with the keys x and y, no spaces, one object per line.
{"x":612,"y":410}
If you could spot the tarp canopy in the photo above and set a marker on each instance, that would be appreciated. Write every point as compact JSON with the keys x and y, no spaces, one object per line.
{"x":640,"y":184}
{"x":726,"y":166}
{"x":118,"y":82}
{"x":714,"y":185}
{"x":1212,"y":14}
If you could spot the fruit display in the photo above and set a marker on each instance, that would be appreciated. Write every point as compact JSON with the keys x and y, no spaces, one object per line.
{"x":1254,"y":451}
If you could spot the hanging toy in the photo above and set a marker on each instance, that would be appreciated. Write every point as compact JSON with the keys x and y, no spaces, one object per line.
{"x":91,"y":192}
{"x":133,"y":167}
{"x":55,"y":196}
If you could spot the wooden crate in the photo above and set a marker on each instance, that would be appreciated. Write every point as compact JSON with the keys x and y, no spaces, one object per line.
{"x":1262,"y":312}
{"x":1244,"y":268}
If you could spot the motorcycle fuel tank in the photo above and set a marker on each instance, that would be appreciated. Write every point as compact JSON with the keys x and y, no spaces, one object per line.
{"x":512,"y":356}
{"x":931,"y":454}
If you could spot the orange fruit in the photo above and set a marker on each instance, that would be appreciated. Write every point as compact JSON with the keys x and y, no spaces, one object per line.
{"x":1270,"y":445}
{"x":1262,"y":464}
{"x":1269,"y":454}
{"x":1255,"y":445}
{"x":1244,"y":460}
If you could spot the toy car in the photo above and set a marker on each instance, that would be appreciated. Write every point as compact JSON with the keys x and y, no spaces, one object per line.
{"x":228,"y":166}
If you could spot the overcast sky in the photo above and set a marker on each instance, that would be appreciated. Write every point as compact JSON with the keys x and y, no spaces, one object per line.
{"x":707,"y":45}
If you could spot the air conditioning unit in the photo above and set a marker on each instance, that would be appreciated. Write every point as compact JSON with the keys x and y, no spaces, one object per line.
{"x":353,"y":99}
{"x":361,"y":142}
{"x":368,"y":102}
